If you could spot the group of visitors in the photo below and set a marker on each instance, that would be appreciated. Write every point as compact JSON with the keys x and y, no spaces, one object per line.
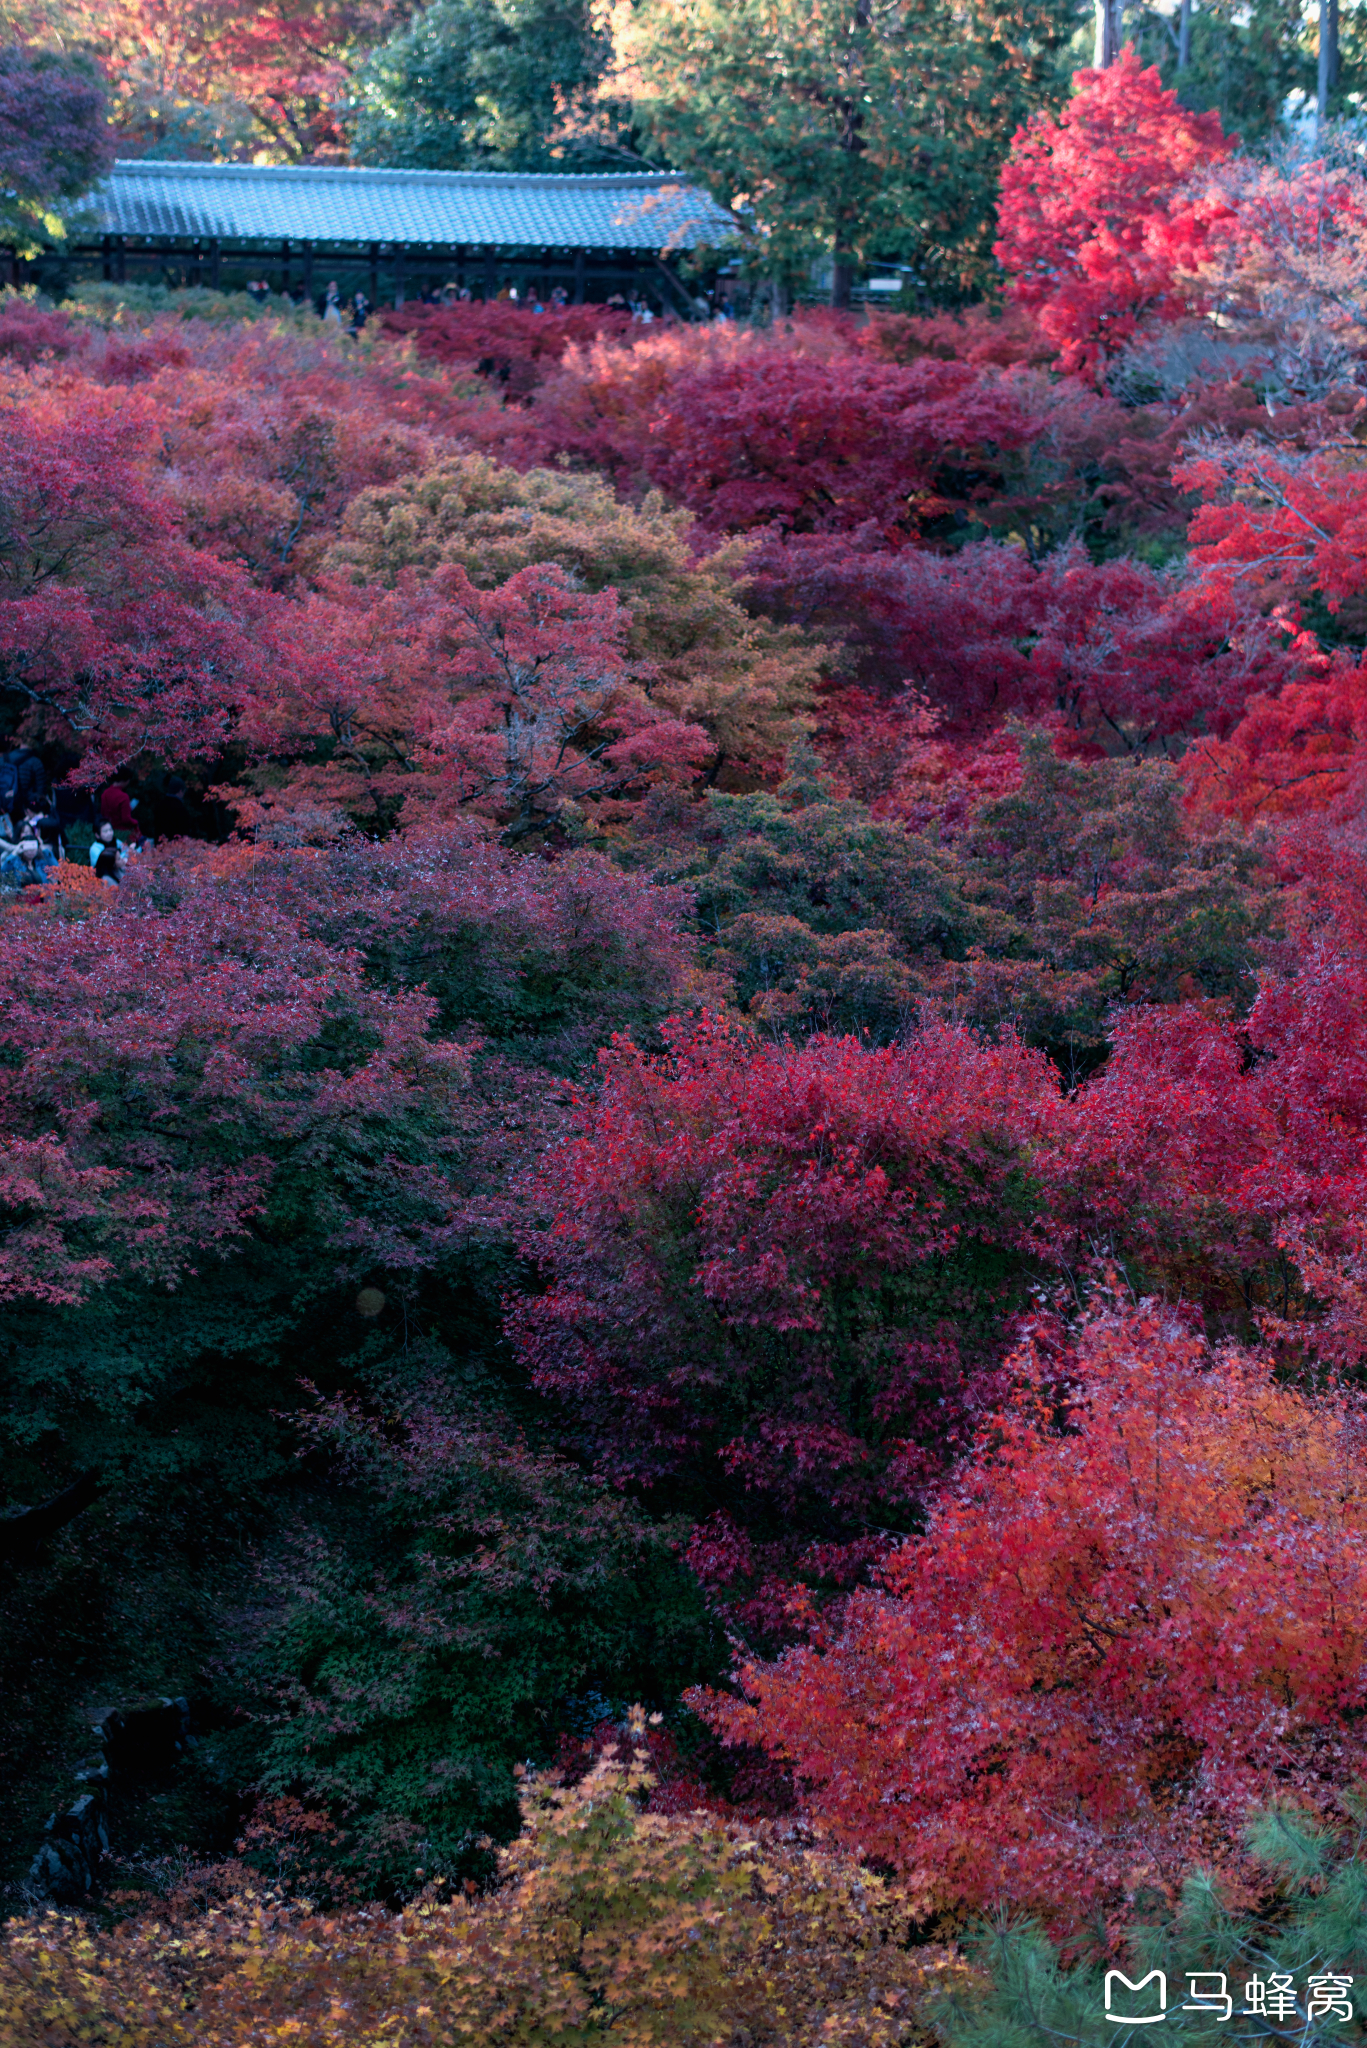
{"x":352,"y":314}
{"x":556,"y":298}
{"x":28,"y":836}
{"x":41,"y":827}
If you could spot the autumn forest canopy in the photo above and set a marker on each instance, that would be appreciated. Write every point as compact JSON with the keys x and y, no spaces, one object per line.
{"x":683,"y":1058}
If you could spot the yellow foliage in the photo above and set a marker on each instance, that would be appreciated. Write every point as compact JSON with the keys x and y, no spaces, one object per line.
{"x":698,"y":653}
{"x":611,"y":1926}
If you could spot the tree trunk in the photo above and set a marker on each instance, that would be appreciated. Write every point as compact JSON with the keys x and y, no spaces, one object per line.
{"x":1184,"y":36}
{"x":852,"y":142}
{"x":1328,"y":69}
{"x":1333,"y":45}
{"x":1110,"y":17}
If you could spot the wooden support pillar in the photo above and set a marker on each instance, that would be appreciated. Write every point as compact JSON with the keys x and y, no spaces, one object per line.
{"x":579,"y":277}
{"x":285,"y":269}
{"x":197,"y":261}
{"x":120,"y":259}
{"x":215,"y":263}
{"x":398,"y":273}
{"x":374,"y":274}
{"x":490,"y":273}
{"x":107,"y":259}
{"x":307,"y":249}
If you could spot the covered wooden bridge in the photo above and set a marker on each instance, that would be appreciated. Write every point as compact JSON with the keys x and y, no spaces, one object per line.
{"x":394,"y":234}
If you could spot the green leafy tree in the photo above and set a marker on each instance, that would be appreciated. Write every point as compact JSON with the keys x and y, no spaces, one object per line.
{"x":469,"y":1593}
{"x":1081,"y":888}
{"x":849,"y":130}
{"x":1098,"y":893}
{"x":249,"y":1136}
{"x":1242,"y":61}
{"x":471,"y":84}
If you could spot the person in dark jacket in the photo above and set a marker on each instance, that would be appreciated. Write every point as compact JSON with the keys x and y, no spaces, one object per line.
{"x":33,"y":782}
{"x":172,"y":815}
{"x":23,"y":778}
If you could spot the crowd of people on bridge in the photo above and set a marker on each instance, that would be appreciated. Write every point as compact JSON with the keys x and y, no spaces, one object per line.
{"x":351,"y":314}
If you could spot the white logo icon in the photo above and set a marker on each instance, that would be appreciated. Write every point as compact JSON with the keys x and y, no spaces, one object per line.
{"x":1124,"y":2019}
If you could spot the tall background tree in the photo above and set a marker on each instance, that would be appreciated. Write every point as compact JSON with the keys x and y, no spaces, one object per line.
{"x":504,"y":83}
{"x":847,"y":130}
{"x":212,"y":79}
{"x":1240,"y":62}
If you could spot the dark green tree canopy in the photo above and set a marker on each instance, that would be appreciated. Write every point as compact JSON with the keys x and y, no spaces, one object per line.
{"x":851,"y":130}
{"x":486,"y":84}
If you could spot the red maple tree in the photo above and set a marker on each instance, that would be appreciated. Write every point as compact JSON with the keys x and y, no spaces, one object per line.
{"x":1097,"y":227}
{"x":1138,"y":1611}
{"x":112,"y":627}
{"x":782,"y":1278}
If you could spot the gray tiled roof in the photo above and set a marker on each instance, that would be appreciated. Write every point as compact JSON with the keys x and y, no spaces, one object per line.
{"x":250,"y":202}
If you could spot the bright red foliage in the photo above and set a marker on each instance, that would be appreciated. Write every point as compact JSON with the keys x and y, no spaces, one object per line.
{"x":1139,"y":1611}
{"x":1209,"y":1144}
{"x":1097,"y":228}
{"x":292,"y":64}
{"x":1280,"y":523}
{"x":1295,"y":754}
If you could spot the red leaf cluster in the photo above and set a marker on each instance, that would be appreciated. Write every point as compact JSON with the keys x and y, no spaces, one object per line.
{"x":502,"y":340}
{"x":833,"y":445}
{"x":1140,"y":1608}
{"x":787,"y":1272}
{"x":1097,"y":226}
